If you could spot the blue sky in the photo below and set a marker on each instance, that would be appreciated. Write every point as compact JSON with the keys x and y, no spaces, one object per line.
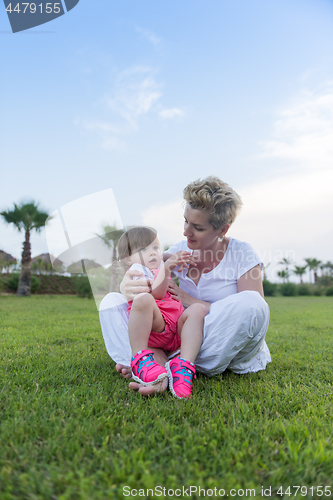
{"x":143,"y":97}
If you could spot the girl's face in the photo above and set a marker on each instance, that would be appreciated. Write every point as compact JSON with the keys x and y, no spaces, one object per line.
{"x":198,"y":230}
{"x":150,"y":257}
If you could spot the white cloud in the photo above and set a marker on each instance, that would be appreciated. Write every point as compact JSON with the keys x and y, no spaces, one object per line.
{"x":171,"y":113}
{"x":150,"y":36}
{"x":303,"y":131}
{"x":292,"y":212}
{"x":167,"y":220}
{"x":289,"y":213}
{"x":136,"y":93}
{"x":107,"y":133}
{"x":112,"y":143}
{"x":94,"y":125}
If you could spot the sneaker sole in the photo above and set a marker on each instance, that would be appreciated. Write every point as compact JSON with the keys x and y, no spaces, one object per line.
{"x":161,"y":377}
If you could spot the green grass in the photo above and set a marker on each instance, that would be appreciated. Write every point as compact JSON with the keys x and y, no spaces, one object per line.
{"x":70,"y":429}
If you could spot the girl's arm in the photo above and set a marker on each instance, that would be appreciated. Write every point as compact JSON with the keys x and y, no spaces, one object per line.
{"x":160,"y":285}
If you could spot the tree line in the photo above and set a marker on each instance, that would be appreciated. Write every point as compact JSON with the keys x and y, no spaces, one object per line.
{"x":27,"y":217}
{"x":312,"y":265}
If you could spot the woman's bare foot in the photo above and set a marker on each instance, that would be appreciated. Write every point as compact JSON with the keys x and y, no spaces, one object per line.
{"x":149,"y":389}
{"x":124,"y":370}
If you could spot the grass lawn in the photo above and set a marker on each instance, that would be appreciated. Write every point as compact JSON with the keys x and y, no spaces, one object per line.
{"x":70,"y":429}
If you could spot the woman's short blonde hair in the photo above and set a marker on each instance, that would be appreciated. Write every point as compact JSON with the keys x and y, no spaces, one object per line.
{"x":215,"y":197}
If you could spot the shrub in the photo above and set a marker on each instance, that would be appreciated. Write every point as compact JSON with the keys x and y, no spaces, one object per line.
{"x":323,"y":280}
{"x":35,"y":284}
{"x":288,"y":289}
{"x":13,"y":281}
{"x":329,"y":291}
{"x":318,"y":292}
{"x":269,"y":288}
{"x":82,"y":287}
{"x":304,"y":289}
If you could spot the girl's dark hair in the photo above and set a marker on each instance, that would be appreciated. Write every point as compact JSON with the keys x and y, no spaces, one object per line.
{"x":134,"y":240}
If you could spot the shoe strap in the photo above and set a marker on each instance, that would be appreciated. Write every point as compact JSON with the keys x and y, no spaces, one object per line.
{"x":141,"y":354}
{"x":189,"y":365}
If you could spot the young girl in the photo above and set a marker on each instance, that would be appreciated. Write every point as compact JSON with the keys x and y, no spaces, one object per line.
{"x":157,"y":319}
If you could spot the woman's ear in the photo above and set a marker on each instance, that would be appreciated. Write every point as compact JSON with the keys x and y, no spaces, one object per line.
{"x":223,"y":231}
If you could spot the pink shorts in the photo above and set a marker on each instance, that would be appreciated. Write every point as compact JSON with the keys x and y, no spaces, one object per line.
{"x":167,"y":340}
{"x":171,"y":311}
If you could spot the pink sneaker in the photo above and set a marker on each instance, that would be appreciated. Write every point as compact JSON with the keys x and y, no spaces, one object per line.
{"x":180,"y":373}
{"x":145,"y":370}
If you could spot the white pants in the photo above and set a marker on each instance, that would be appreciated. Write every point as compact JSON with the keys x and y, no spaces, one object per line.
{"x":234,"y":333}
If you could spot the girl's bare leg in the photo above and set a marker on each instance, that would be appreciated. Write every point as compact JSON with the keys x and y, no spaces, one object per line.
{"x":190,"y":328}
{"x":144,"y":317}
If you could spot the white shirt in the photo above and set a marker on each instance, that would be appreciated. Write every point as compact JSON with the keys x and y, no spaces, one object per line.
{"x":222,"y":280}
{"x":144,"y":270}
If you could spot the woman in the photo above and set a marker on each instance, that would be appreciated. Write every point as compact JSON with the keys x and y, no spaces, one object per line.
{"x":225,"y":275}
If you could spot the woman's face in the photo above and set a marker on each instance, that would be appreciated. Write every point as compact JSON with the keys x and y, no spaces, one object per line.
{"x":198,"y":230}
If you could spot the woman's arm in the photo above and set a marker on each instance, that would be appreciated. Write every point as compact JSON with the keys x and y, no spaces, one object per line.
{"x":251,"y":280}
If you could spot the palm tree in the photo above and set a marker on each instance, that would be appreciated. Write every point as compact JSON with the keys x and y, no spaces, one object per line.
{"x":284,"y":275}
{"x":329,"y":267}
{"x":110,"y":237}
{"x":38,"y":266}
{"x":300,"y":271}
{"x":326,"y":270}
{"x":313,"y":265}
{"x":26,"y":216}
{"x":264,"y":270}
{"x":285,"y":261}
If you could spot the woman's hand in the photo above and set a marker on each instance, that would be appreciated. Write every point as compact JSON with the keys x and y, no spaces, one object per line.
{"x":130,"y":287}
{"x":178,"y":294}
{"x":186,"y":299}
{"x":174,"y":289}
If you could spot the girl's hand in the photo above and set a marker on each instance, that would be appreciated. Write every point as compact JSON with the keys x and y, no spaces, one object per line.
{"x":183,"y":259}
{"x":130,"y":287}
